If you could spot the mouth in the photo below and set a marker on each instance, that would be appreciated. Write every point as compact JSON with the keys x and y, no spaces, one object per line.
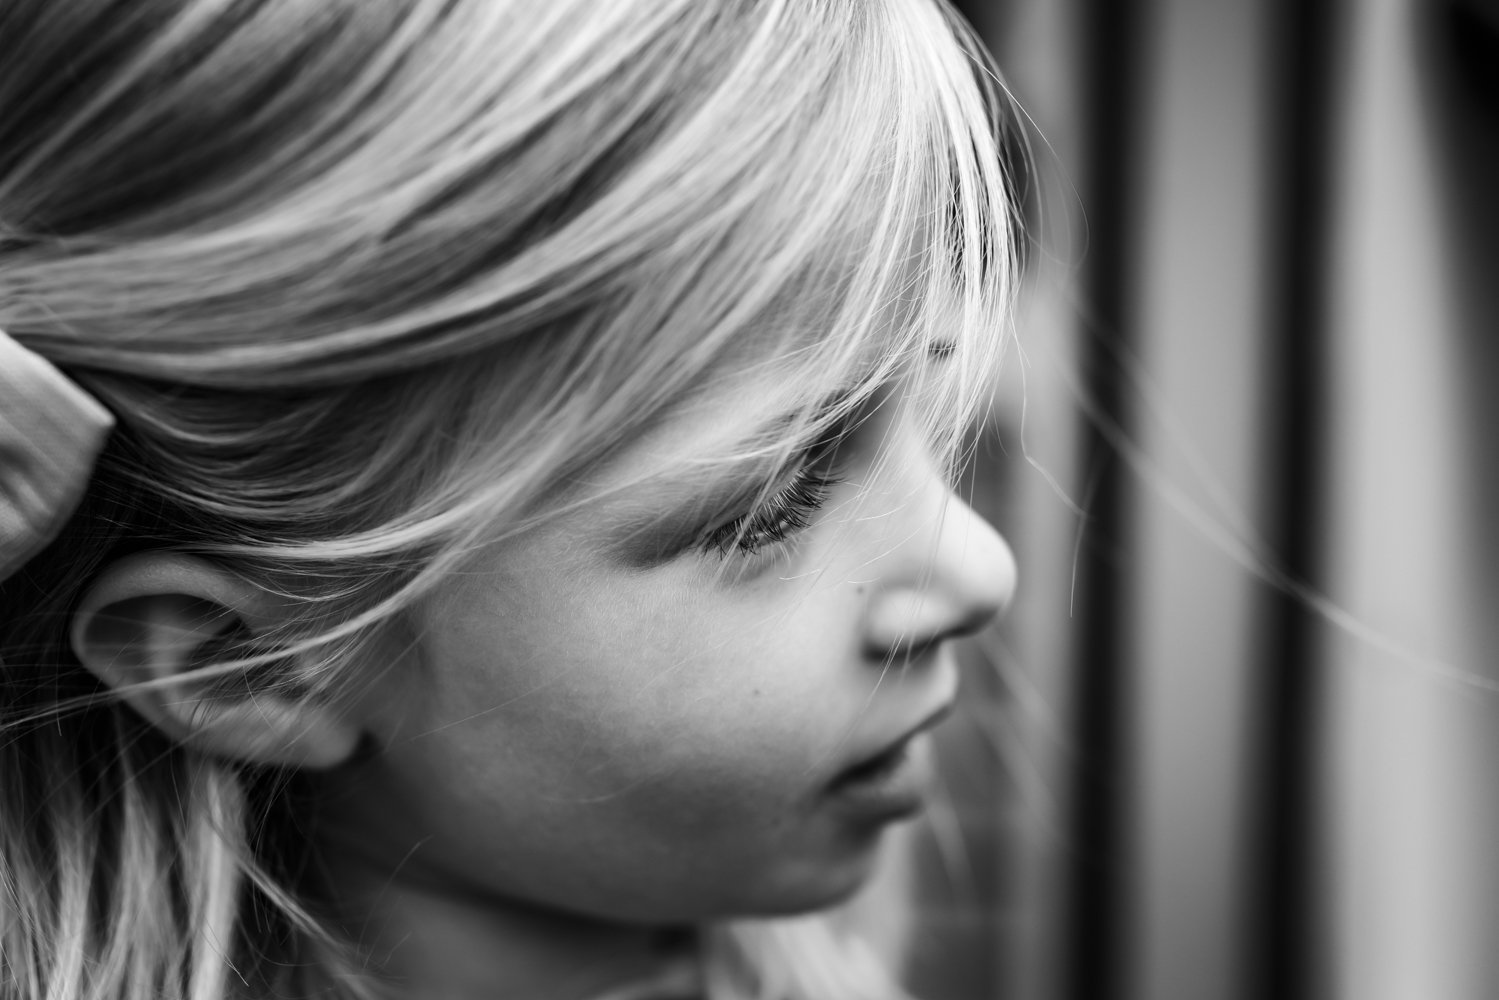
{"x":875,"y":769}
{"x":889,"y":782}
{"x":889,"y":757}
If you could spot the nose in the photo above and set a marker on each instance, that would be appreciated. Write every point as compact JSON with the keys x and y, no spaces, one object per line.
{"x":948,"y":575}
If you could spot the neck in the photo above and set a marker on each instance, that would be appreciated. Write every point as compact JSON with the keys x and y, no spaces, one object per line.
{"x":436,"y":944}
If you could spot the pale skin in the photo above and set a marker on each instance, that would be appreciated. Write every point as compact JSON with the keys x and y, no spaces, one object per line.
{"x":574,"y":750}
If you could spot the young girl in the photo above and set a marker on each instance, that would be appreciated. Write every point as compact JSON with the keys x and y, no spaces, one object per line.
{"x":523,"y":559}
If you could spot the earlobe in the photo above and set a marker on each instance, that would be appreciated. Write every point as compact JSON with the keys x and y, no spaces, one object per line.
{"x":151,"y":625}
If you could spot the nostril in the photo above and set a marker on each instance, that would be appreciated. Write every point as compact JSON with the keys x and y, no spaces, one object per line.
{"x":978,"y":617}
{"x":907,"y":622}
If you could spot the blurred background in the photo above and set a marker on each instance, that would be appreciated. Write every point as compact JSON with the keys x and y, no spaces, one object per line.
{"x":1239,"y":737}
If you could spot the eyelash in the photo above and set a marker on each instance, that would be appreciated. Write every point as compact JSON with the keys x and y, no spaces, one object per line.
{"x":786,"y":512}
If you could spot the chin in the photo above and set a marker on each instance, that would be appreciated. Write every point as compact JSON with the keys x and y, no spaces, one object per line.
{"x":807,"y":888}
{"x":787,"y":886}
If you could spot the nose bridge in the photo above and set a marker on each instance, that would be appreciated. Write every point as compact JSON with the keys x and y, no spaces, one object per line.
{"x":949,"y":574}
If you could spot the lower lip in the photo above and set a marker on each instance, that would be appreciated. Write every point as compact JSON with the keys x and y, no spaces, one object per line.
{"x":888,"y":788}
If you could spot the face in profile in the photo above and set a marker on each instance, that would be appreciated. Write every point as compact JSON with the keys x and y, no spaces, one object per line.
{"x":674,"y":703}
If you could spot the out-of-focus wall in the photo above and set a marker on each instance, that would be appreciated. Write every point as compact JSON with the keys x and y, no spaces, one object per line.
{"x":1267,"y":644}
{"x":1409,"y":845}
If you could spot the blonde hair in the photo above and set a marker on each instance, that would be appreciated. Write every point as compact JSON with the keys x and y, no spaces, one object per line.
{"x":368,"y":283}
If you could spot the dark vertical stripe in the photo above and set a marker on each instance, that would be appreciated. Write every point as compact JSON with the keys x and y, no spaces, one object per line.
{"x":1303,"y":61}
{"x":1094,"y":962}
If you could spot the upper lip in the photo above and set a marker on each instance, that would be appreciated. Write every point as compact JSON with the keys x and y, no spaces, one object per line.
{"x":928,"y":721}
{"x":943,"y":700}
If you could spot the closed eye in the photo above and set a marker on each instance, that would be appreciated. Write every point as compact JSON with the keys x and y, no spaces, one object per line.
{"x":778,"y":518}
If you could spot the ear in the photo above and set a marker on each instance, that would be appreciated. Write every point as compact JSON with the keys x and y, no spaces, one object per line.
{"x":151,"y":622}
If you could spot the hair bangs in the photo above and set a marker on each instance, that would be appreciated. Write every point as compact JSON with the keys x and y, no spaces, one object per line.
{"x":871,"y":243}
{"x":911,"y":277}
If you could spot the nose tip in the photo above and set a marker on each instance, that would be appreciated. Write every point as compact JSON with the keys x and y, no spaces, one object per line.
{"x":962,"y":577}
{"x":974,"y":573}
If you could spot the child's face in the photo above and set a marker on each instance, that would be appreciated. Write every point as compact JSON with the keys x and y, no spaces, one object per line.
{"x":573,"y":725}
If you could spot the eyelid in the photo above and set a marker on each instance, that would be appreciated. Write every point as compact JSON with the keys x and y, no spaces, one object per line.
{"x":796,"y":496}
{"x":670,"y":534}
{"x":820,"y":452}
{"x":658,"y":535}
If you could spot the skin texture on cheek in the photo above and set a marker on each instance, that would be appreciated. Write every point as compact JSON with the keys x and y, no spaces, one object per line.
{"x":671,"y":677}
{"x":638,"y":746}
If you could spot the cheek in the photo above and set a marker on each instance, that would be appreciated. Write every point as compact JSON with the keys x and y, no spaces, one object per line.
{"x":621,"y":748}
{"x":661,"y":688}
